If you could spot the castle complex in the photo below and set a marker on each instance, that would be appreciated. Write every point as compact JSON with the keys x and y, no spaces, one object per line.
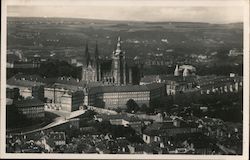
{"x":117,"y":71}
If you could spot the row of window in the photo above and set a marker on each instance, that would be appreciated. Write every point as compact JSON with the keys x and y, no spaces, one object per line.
{"x":40,"y":108}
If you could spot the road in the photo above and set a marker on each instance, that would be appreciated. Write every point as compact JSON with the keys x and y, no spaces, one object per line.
{"x":64,"y":118}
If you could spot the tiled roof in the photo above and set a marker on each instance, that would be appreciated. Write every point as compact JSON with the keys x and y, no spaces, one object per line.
{"x":127,"y":88}
{"x":28,"y":102}
{"x":159,"y":128}
{"x":65,"y":86}
{"x":68,"y":83}
{"x":34,"y":77}
{"x":23,"y":83}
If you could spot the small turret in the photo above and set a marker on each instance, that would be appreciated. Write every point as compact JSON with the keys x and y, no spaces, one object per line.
{"x":176,"y":71}
{"x":185,"y":72}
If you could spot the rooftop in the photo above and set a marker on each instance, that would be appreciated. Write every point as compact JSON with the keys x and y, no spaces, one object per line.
{"x":23,"y":83}
{"x":57,"y":136}
{"x":21,"y":76}
{"x":118,"y":116}
{"x":127,"y":88}
{"x":29,"y":102}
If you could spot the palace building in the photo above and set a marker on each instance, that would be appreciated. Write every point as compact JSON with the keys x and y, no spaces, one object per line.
{"x":113,"y":97}
{"x":119,"y":70}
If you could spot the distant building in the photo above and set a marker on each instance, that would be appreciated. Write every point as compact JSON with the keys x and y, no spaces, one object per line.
{"x":163,"y":131}
{"x":26,"y":88}
{"x":12,"y":93}
{"x":54,"y":91}
{"x":121,"y":119}
{"x":148,"y":79}
{"x":15,"y":59}
{"x":58,"y":138}
{"x":186,"y":70}
{"x":174,"y":84}
{"x":31,"y":108}
{"x":219,"y":84}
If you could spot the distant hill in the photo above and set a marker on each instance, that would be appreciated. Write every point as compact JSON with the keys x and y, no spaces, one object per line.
{"x":59,"y":19}
{"x":139,"y":38}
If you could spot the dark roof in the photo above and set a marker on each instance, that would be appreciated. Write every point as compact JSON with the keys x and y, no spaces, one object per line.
{"x":127,"y":88}
{"x":65,"y":80}
{"x":68,"y":83}
{"x":23,"y":83}
{"x":207,"y":120}
{"x":156,"y":129}
{"x":29,"y":102}
{"x":66,"y":86}
{"x":21,"y":76}
{"x":122,"y":142}
{"x":159,"y":128}
{"x":149,"y":78}
{"x":118,"y":116}
{"x":12,"y":58}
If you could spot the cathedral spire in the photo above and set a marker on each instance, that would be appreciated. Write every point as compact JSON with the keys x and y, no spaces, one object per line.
{"x":87,"y":56}
{"x":118,"y":46}
{"x":96,"y":52}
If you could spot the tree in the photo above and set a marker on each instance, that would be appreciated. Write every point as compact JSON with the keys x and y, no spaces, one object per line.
{"x":118,"y":110}
{"x":144,"y":108}
{"x":132,"y":106}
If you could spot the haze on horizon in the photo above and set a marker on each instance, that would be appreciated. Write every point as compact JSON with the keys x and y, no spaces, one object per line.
{"x":208,"y":14}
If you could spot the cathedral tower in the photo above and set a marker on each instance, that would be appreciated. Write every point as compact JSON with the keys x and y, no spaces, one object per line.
{"x":97,"y":64}
{"x":87,"y":56}
{"x":119,"y":65}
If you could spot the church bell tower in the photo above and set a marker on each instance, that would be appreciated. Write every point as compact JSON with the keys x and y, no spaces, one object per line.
{"x":119,"y":65}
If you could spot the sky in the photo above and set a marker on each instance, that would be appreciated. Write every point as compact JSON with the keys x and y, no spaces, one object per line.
{"x":117,"y":11}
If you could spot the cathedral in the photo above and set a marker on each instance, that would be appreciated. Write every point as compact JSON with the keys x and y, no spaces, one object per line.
{"x":119,"y":70}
